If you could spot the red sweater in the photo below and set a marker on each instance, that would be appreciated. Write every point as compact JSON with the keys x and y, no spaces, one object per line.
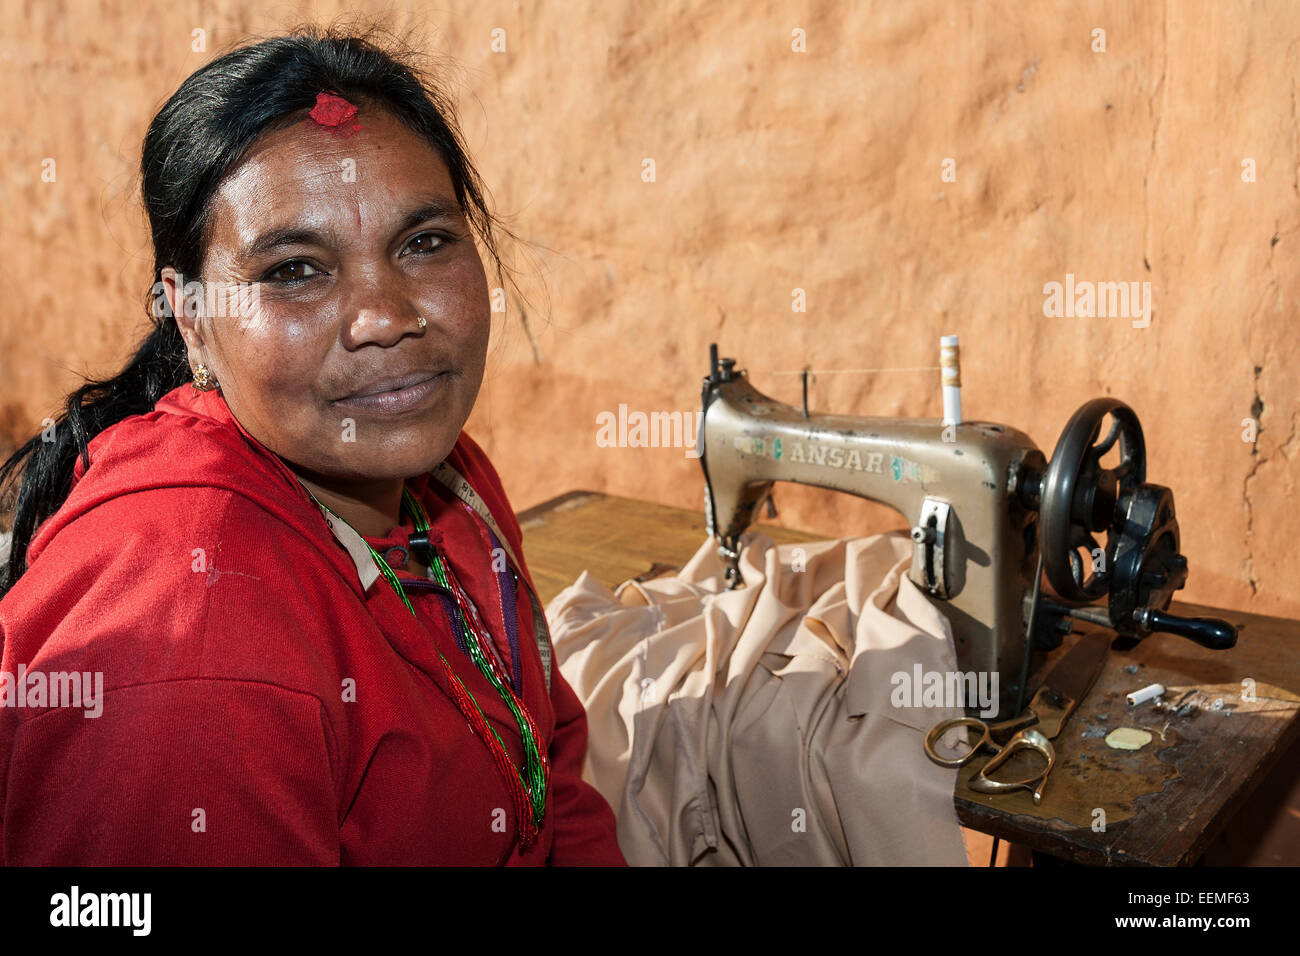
{"x":258,"y":706}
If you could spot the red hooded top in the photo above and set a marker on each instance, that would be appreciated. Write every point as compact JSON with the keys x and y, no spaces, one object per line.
{"x":259,"y":706}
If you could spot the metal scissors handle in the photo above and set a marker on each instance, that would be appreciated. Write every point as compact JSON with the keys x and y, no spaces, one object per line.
{"x":1026,"y":738}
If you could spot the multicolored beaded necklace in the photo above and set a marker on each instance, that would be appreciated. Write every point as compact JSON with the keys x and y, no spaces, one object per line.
{"x":527,"y":788}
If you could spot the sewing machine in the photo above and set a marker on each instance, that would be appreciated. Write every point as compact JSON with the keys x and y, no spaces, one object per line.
{"x":989,"y":514}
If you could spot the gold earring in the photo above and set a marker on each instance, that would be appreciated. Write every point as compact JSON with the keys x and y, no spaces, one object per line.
{"x":420,"y":320}
{"x":203,"y":380}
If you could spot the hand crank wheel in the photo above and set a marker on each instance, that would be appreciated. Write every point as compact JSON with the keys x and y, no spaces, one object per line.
{"x":1079,"y":496}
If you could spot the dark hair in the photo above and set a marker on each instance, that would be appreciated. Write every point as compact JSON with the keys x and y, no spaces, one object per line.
{"x":195,"y":140}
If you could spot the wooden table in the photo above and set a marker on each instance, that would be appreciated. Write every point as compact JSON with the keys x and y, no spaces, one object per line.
{"x":1162,"y":805}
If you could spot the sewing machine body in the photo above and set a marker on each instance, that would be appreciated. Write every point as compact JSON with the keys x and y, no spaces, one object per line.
{"x":979,"y":497}
{"x":961,"y":478}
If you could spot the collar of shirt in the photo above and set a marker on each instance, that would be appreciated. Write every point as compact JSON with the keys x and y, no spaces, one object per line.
{"x":397,"y":538}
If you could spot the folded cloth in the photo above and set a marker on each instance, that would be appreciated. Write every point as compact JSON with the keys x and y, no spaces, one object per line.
{"x":764,"y":725}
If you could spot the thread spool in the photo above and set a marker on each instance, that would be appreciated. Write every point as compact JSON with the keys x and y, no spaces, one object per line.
{"x":1150,"y":692}
{"x":950,"y":372}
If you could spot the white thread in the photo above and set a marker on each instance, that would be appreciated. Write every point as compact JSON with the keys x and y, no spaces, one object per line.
{"x":857,"y":371}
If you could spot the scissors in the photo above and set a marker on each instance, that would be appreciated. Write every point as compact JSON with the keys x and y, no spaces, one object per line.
{"x":1065,"y":685}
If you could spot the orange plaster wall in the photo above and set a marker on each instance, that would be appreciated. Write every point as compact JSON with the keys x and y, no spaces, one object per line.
{"x":777,"y":170}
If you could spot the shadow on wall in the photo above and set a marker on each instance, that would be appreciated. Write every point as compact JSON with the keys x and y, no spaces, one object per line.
{"x":7,"y":501}
{"x":14,"y":430}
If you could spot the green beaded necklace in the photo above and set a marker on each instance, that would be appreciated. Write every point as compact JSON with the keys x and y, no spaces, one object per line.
{"x":527,"y":788}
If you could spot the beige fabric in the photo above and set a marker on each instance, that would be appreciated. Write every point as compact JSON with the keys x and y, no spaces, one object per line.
{"x":755,"y":726}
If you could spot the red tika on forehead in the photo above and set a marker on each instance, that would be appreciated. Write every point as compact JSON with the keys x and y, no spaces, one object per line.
{"x":334,"y":113}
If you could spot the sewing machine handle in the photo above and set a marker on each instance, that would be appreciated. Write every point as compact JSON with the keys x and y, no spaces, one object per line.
{"x":1207,"y":631}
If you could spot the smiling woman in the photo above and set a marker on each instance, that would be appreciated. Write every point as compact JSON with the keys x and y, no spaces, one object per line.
{"x":355,"y":245}
{"x":298,"y":577}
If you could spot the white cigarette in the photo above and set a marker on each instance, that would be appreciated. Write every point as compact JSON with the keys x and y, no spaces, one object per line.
{"x":1145,"y":694}
{"x":950,"y":365}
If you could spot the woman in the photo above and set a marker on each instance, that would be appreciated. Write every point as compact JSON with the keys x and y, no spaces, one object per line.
{"x":299,"y":581}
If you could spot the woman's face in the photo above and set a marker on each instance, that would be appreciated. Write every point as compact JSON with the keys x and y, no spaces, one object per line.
{"x":345,"y":242}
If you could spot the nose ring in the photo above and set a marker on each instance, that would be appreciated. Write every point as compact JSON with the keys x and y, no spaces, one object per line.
{"x":420,"y":321}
